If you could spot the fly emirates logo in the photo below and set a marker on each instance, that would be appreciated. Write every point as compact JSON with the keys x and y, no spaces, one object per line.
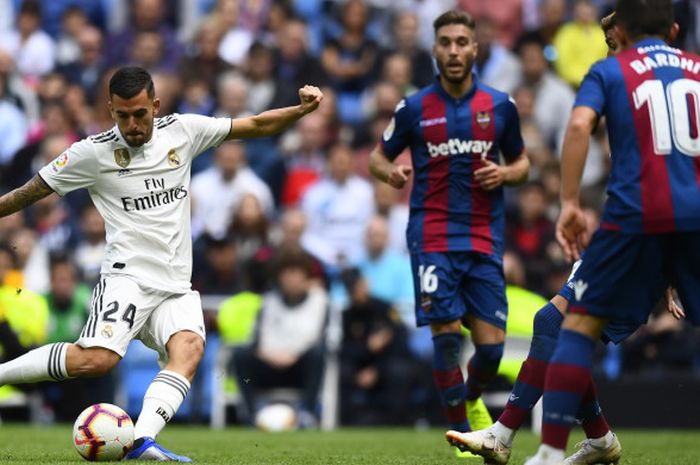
{"x":459,"y":147}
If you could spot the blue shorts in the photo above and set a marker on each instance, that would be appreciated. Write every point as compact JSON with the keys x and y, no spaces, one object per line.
{"x":448,"y":286}
{"x":614,"y":331}
{"x":624,"y":275}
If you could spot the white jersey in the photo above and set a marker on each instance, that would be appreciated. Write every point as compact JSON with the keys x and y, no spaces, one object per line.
{"x":143,"y":195}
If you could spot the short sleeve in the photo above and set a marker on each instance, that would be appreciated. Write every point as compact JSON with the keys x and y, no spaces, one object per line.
{"x":74,"y":169}
{"x":511,"y":142}
{"x":205,"y":132}
{"x":592,"y":91}
{"x":397,"y":134}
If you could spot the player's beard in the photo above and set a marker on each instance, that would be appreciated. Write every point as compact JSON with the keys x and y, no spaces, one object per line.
{"x":452,"y":79}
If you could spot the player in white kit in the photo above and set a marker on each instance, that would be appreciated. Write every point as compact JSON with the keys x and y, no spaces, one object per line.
{"x":138,"y":176}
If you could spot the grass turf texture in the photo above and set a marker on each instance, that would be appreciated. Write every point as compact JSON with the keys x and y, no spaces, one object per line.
{"x":20,"y":444}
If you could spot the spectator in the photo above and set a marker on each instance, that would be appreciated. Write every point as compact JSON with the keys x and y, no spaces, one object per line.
{"x":32,"y":49}
{"x":495,"y":64}
{"x":148,"y":16}
{"x":249,"y":227}
{"x":350,"y":60}
{"x":73,"y":22}
{"x":387,"y":201}
{"x":68,"y":301}
{"x":204,"y":62}
{"x":265,"y":90}
{"x":220,"y":272}
{"x":237,"y":40}
{"x":218,"y":190}
{"x":388,"y":272}
{"x":90,"y":249}
{"x":294,"y":65}
{"x":87,"y":69}
{"x":32,"y":260}
{"x":579,"y":44}
{"x":232,"y":95}
{"x":338,"y":208}
{"x":405,"y":41}
{"x":13,"y":125}
{"x":306,"y":160}
{"x":377,"y":373}
{"x":506,"y":17}
{"x":288,"y":347}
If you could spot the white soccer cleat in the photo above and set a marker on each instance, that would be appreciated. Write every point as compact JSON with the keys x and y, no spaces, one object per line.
{"x":543,"y":460}
{"x":589,"y":454}
{"x":483,"y":443}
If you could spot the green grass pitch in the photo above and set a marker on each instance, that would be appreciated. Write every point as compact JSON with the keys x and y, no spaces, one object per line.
{"x":21,"y":444}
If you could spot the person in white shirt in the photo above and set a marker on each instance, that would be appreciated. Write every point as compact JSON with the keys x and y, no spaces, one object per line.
{"x":138,"y":176}
{"x":338,"y":209}
{"x":217,"y":191}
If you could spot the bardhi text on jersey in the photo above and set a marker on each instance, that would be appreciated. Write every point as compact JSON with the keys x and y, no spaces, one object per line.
{"x":647,"y":63}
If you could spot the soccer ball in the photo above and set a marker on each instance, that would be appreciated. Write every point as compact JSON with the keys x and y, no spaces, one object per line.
{"x":276,"y":417}
{"x":103,"y":432}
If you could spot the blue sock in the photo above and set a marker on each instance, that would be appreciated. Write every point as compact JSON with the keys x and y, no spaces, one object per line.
{"x":482,"y":368}
{"x":566,"y":382}
{"x":449,"y":379}
{"x":530,"y":383}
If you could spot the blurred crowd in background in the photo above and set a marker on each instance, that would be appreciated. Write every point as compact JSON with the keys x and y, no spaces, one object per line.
{"x":255,"y":203}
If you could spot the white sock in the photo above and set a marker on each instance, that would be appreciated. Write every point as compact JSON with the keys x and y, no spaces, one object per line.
{"x":503,"y":433}
{"x":162,"y":399}
{"x":550,"y":453}
{"x":46,"y":363}
{"x":604,"y":441}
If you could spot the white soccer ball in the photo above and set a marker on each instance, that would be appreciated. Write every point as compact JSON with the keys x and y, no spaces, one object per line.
{"x":276,"y":417}
{"x":103,"y":432}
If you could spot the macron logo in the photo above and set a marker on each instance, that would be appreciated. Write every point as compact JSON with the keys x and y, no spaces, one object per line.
{"x":459,"y":147}
{"x":579,"y":288}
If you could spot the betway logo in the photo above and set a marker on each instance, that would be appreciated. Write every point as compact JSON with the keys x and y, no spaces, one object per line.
{"x":458,"y":147}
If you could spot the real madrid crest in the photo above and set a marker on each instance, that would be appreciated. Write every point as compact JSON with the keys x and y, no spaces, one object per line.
{"x":122,"y":157}
{"x":173,"y":158}
{"x":483,"y":119}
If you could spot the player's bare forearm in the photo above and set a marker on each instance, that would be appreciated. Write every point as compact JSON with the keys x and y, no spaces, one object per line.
{"x":379,"y":164}
{"x":517,"y":171}
{"x":387,"y":171}
{"x":273,"y":121}
{"x":575,"y":151}
{"x":14,"y":201}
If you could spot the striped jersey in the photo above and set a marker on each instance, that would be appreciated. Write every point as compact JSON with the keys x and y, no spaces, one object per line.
{"x":449,"y":139}
{"x":143,"y":194}
{"x":650,"y":96}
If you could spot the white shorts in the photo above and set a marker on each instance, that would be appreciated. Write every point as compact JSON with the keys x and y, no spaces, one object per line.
{"x":122,"y":310}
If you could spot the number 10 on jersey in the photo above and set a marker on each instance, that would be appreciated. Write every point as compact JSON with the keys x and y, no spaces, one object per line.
{"x":673,"y":114}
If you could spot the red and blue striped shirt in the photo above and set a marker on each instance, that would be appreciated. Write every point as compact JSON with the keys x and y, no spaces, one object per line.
{"x":650,"y":95}
{"x":449,"y":139}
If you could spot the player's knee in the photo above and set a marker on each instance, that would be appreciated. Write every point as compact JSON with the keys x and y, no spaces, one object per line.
{"x":186,"y":346}
{"x":93,"y":361}
{"x":547,"y":322}
{"x":489,"y":354}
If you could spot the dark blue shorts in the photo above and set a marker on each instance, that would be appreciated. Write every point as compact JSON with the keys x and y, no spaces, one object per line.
{"x":624,"y":275}
{"x":614,"y":331}
{"x":448,"y":286}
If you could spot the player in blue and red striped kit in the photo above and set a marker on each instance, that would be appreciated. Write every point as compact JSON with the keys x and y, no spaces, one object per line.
{"x":650,"y":231}
{"x":456,"y":129}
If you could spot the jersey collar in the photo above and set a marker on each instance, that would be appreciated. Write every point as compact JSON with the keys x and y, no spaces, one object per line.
{"x":122,"y":141}
{"x":443,"y":93}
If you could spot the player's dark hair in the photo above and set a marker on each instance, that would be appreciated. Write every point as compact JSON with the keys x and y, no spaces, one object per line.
{"x":454,"y":17}
{"x":129,"y":81}
{"x":641,"y":18}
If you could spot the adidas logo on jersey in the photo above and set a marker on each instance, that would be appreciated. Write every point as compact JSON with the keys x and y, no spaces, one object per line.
{"x":459,"y":147}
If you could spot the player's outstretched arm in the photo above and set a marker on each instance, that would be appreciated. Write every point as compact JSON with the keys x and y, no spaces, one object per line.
{"x":273,"y":121}
{"x":386,"y":171}
{"x":14,"y":201}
